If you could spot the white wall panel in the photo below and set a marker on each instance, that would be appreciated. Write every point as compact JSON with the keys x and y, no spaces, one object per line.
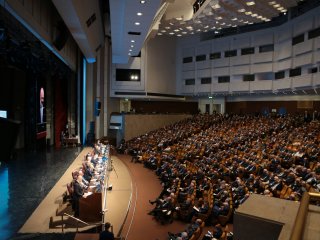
{"x":283,"y":33}
{"x":302,"y":81}
{"x":316,"y":79}
{"x":302,"y":60}
{"x":203,"y":64}
{"x":316,"y":43}
{"x":317,"y":56}
{"x":203,"y":88}
{"x":240,"y":41}
{"x":261,"y":67}
{"x":303,"y":47}
{"x":282,"y":84}
{"x":188,"y":66}
{"x":282,"y":65}
{"x":239,"y":86}
{"x":223,"y":62}
{"x":203,"y":49}
{"x":221,"y":71}
{"x":283,"y":50}
{"x":237,"y":70}
{"x":240,"y":60}
{"x":220,"y":87}
{"x":264,"y":85}
{"x":262,"y":38}
{"x":204,"y":73}
{"x":188,"y":52}
{"x":262,"y":57}
{"x":221,"y":45}
{"x":189,"y":74}
{"x":187,"y":89}
{"x":302,"y":26}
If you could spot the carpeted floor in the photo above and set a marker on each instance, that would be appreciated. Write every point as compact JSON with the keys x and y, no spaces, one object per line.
{"x":139,"y":224}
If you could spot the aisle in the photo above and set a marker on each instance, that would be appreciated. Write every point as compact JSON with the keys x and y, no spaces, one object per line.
{"x":139,"y":224}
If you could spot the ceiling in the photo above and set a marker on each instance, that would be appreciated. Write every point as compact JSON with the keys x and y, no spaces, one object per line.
{"x":133,"y":21}
{"x":177,"y":18}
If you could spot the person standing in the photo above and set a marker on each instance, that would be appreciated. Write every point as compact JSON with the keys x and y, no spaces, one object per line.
{"x":107,"y":234}
{"x":77,"y":194}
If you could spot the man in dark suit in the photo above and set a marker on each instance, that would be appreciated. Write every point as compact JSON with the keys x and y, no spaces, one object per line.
{"x":107,"y":234}
{"x":77,"y":194}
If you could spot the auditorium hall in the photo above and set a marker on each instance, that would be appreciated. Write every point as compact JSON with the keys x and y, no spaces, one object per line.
{"x":159,"y":119}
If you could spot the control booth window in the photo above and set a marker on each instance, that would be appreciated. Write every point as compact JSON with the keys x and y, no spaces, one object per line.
{"x":298,"y":39}
{"x":190,"y":81}
{"x":128,"y":75}
{"x":247,"y":51}
{"x":223,"y":79}
{"x":200,"y":58}
{"x":231,"y":53}
{"x":295,"y":72}
{"x":215,"y":55}
{"x":248,"y":77}
{"x":266,"y":48}
{"x":206,"y":80}
{"x":187,"y":59}
{"x":279,"y":75}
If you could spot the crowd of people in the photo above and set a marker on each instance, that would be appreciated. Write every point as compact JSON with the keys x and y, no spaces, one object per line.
{"x":210,"y":164}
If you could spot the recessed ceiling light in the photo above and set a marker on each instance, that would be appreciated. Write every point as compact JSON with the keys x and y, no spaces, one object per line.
{"x":277,"y":5}
{"x":139,"y":14}
{"x":142,"y":1}
{"x":250,"y":3}
{"x":171,"y":33}
{"x":130,"y":50}
{"x":167,"y":27}
{"x":176,"y":30}
{"x":163,"y":31}
{"x":216,"y":6}
{"x":133,"y":41}
{"x":137,"y":23}
{"x":131,"y":46}
{"x":234,"y":19}
{"x":241,"y":10}
{"x":179,"y":35}
{"x":159,"y":33}
{"x":129,"y":54}
{"x":272,"y":3}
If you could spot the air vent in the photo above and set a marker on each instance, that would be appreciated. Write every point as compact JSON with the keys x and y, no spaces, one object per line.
{"x":134,"y":33}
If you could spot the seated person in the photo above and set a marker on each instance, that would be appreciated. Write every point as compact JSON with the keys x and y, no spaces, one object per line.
{"x":163,"y":206}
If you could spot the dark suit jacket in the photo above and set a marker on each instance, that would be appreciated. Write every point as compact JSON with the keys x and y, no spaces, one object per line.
{"x":77,"y":190}
{"x":106,"y":235}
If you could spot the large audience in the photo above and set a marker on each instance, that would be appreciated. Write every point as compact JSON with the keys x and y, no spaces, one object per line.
{"x":210,"y":164}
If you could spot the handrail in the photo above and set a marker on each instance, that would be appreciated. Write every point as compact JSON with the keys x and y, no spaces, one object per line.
{"x":299,"y":223}
{"x":77,"y":219}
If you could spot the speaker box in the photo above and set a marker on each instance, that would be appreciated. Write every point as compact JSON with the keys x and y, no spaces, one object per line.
{"x":61,"y":35}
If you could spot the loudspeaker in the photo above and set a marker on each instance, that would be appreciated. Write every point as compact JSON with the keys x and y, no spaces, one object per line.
{"x":61,"y":35}
{"x":98,"y":108}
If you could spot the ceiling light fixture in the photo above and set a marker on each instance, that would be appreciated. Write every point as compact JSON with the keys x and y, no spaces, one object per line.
{"x":139,"y":14}
{"x":142,"y":1}
{"x":137,"y":23}
{"x":250,"y":3}
{"x":133,"y":41}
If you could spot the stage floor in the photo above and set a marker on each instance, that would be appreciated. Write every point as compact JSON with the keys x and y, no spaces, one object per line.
{"x":117,"y":203}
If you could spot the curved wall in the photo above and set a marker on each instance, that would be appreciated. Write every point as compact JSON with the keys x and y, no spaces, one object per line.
{"x":288,"y":50}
